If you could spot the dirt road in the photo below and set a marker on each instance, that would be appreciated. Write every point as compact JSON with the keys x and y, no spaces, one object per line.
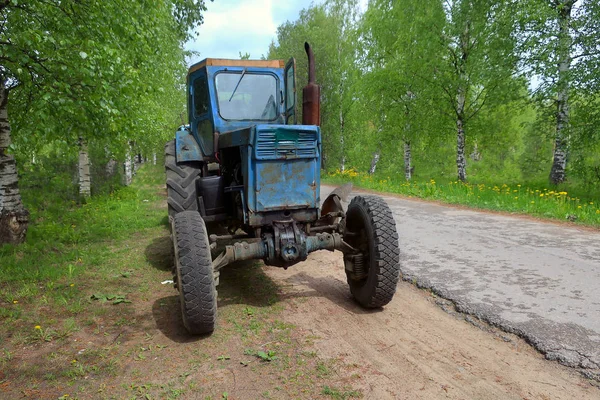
{"x":413,"y":349}
{"x":294,"y":334}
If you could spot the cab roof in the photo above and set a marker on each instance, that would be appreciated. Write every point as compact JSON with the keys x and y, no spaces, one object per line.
{"x":222,"y":62}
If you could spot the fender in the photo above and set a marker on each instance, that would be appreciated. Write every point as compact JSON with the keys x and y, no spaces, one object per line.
{"x":186,"y":146}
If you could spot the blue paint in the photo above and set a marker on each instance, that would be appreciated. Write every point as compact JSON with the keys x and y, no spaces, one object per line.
{"x":283,"y":167}
{"x":280,"y":163}
{"x":219,"y":124}
{"x":187,"y":148}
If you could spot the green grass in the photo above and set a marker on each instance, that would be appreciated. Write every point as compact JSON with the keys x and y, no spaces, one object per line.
{"x":44,"y":281}
{"x":561,"y":203}
{"x":83,"y":311}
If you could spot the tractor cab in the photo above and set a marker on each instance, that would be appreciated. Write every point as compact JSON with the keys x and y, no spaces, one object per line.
{"x":228,"y":95}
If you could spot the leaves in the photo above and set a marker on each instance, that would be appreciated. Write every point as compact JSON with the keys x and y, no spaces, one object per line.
{"x":115,"y":299}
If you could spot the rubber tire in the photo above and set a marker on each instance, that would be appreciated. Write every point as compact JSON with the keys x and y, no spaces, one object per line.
{"x":372,"y":216}
{"x":194,"y":273}
{"x":181,"y":182}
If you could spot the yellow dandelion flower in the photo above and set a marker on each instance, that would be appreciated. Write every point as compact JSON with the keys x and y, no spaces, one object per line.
{"x":541,"y":194}
{"x":591,"y":203}
{"x":38,"y":327}
{"x":578,"y":206}
{"x":72,"y":284}
{"x":15,"y":301}
{"x":517,"y":198}
{"x":518,"y":185}
{"x":532,"y":202}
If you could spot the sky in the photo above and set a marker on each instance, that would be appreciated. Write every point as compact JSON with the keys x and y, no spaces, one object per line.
{"x":246,"y":26}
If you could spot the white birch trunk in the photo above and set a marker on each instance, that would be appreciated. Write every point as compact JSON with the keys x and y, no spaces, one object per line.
{"x":153,"y":158}
{"x":111,"y":168}
{"x":561,"y":139}
{"x":374,"y":161}
{"x":461,"y":96}
{"x":85,"y":187}
{"x":128,"y":165}
{"x":343,"y":160}
{"x":407,"y":161}
{"x":475,"y":155}
{"x":14,"y":218}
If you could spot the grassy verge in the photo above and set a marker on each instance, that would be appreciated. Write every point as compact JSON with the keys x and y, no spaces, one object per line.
{"x":84,"y":313}
{"x":530,"y":199}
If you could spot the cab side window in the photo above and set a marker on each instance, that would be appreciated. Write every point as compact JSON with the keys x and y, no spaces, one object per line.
{"x":200,"y":96}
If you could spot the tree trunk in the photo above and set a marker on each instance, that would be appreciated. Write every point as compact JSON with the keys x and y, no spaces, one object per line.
{"x":461,"y":96}
{"x":14,"y":218}
{"x":85,"y":187}
{"x":137,"y":162}
{"x":111,"y":165}
{"x":343,"y":158}
{"x":128,"y":164}
{"x":375,"y":160}
{"x":461,"y":162}
{"x":111,"y":168}
{"x":475,"y":155}
{"x":153,"y":158}
{"x":407,"y":161}
{"x":561,"y":139}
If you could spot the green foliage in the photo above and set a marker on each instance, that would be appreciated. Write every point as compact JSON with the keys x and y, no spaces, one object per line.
{"x":111,"y":72}
{"x":331,"y":30}
{"x":66,"y":237}
{"x":572,"y":203}
{"x":403,"y":66}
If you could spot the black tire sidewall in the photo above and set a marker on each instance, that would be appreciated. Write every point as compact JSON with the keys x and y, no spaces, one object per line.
{"x":195,"y":266}
{"x":374,"y":216}
{"x":362,"y":290}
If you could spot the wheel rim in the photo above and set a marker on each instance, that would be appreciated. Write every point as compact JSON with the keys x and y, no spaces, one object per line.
{"x":356,"y":235}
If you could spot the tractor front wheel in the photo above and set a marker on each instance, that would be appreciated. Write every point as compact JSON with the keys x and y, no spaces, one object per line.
{"x":373,"y":273}
{"x":181,"y":182}
{"x":194,"y":273}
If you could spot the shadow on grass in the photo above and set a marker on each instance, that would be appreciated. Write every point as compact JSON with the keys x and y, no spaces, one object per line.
{"x":240,"y":283}
{"x":246,"y":283}
{"x":167,"y":315}
{"x":159,"y":253}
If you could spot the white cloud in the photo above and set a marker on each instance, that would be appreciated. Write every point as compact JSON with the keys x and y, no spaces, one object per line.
{"x":234,"y":26}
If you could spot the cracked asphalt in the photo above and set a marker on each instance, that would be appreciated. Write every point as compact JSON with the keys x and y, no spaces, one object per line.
{"x":536,"y":279}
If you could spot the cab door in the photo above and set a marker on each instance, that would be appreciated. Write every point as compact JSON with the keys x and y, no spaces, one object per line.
{"x":290,"y":92}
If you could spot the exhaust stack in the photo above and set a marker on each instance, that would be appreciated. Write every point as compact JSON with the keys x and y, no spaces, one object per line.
{"x":311,"y":93}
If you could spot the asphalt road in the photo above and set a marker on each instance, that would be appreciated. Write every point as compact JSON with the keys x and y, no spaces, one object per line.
{"x":538,"y":280}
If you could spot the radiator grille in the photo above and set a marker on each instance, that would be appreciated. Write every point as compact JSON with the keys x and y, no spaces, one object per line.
{"x":286,"y":143}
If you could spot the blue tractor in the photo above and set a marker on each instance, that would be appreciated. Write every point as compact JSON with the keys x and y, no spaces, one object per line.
{"x":243,"y":182}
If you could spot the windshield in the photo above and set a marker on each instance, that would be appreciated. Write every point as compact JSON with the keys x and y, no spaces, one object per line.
{"x":247,"y":96}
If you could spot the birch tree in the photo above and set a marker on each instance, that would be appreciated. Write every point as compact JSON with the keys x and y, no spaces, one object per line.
{"x":330,"y":29}
{"x":479,"y":64}
{"x":560,"y":50}
{"x":401,"y":46}
{"x":84,"y":65}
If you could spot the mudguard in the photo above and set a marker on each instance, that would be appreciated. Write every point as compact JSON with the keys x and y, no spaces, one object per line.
{"x":186,"y":146}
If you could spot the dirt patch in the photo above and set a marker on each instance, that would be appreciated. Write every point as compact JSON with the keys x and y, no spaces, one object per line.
{"x":412,"y":348}
{"x":281,"y":334}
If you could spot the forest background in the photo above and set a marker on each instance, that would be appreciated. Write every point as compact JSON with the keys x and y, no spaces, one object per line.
{"x":488,"y":103}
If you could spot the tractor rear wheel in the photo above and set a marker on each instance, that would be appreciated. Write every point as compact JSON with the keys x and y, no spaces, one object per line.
{"x":181,"y":182}
{"x":372,"y":274}
{"x":194,"y":273}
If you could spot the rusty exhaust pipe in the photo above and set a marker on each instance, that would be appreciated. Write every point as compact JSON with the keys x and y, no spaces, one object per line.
{"x":311,"y":93}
